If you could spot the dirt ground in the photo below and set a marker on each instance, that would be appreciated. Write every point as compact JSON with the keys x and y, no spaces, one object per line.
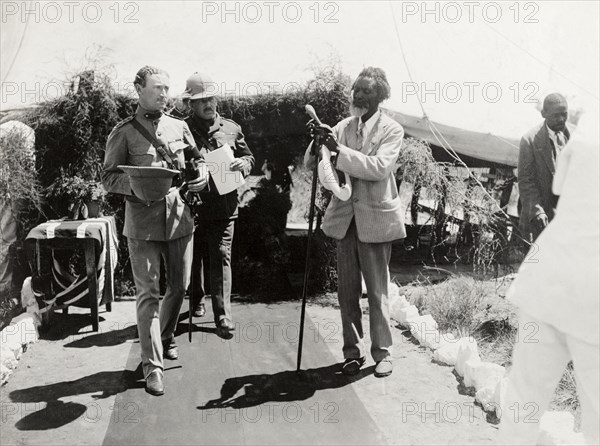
{"x":65,"y":388}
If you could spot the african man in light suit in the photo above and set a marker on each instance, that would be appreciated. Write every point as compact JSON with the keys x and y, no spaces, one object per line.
{"x":367,"y":146}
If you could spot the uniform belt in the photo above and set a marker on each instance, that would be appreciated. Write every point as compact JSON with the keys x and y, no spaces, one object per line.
{"x":134,"y":199}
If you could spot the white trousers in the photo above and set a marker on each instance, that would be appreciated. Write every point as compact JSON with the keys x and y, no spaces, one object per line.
{"x":540,"y":356}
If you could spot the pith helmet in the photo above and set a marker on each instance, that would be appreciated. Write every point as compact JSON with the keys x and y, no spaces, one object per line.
{"x":149,"y":183}
{"x":200,"y":85}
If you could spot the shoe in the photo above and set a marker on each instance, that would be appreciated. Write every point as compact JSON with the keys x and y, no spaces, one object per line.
{"x":224,"y":329}
{"x":352,"y":365}
{"x":383,"y":368}
{"x":199,"y":309}
{"x":170,"y":350}
{"x":154,"y":383}
{"x":227,"y":324}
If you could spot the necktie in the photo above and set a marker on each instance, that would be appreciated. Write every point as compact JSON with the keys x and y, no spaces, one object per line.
{"x":560,"y":142}
{"x":560,"y":139}
{"x":360,"y":135}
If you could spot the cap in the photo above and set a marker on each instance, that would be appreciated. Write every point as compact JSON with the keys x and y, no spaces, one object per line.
{"x":200,"y":85}
{"x":149,"y":183}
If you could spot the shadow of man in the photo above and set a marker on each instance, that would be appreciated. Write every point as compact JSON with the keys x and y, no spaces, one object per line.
{"x":57,"y":413}
{"x":281,"y":387}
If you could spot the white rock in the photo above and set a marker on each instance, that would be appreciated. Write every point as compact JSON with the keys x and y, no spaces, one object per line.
{"x":402,"y":302}
{"x":18,"y":352}
{"x":396,"y":304}
{"x":469,"y":371}
{"x":21,"y":331}
{"x":393,"y":290}
{"x":29,"y":302}
{"x":34,"y":311}
{"x":424,"y":329}
{"x":483,"y":374}
{"x":447,"y":351}
{"x":556,"y":428}
{"x":421,"y":323}
{"x":5,"y":372}
{"x":407,"y":314}
{"x":7,"y":357}
{"x":467,"y":350}
{"x":392,"y":302}
{"x":500,"y":396}
{"x":485,"y":397}
{"x":27,"y":296}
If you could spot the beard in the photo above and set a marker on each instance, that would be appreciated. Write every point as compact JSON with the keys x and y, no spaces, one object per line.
{"x":357,"y":111}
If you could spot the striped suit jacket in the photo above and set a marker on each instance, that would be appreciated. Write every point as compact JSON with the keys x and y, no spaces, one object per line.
{"x":374,"y":204}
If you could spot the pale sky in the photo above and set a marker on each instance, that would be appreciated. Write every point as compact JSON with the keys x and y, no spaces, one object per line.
{"x":482,"y":64}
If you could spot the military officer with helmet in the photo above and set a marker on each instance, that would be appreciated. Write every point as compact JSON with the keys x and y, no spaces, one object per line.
{"x":217,"y":213}
{"x":154,"y":228}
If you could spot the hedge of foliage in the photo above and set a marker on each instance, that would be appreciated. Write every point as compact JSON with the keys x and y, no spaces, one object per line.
{"x":20,"y":200}
{"x":71,"y":133}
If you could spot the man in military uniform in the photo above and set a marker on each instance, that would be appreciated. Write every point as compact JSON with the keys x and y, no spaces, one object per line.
{"x":216,"y":213}
{"x":154,"y":229}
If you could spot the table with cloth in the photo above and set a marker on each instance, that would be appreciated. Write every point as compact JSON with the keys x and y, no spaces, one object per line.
{"x":62,"y":287}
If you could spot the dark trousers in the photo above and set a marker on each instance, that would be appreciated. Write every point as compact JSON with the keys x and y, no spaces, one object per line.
{"x":211,"y":268}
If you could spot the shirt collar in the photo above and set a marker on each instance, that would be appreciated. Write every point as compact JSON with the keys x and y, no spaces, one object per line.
{"x":552,"y":133}
{"x":370,"y":122}
{"x":147,"y":114}
{"x":207,"y":126}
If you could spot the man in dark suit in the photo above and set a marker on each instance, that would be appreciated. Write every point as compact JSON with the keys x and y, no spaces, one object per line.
{"x":537,"y":163}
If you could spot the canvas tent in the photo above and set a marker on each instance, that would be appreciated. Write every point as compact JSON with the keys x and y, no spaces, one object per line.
{"x":474,"y":148}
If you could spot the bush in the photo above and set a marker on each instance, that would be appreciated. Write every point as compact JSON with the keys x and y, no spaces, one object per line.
{"x":19,"y":185}
{"x":275,"y":128}
{"x":71,"y":133}
{"x":20,"y":199}
{"x":262,"y":254}
{"x":322,"y":277}
{"x":465,"y":224}
{"x":323,"y":272}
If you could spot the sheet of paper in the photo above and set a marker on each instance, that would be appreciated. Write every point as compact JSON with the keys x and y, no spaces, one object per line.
{"x":217,"y":164}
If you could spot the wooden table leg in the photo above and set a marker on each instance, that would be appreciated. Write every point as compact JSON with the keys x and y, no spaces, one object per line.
{"x":90,"y":265}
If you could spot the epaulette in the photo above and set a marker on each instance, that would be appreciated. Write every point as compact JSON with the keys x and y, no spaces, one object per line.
{"x":232,"y":121}
{"x":123,"y":122}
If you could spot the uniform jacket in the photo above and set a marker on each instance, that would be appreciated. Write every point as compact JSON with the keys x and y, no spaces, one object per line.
{"x":208,"y":138}
{"x":166,"y":219}
{"x":374,"y":204}
{"x":537,"y":164}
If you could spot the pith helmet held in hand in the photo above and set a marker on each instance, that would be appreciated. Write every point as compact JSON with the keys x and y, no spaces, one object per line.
{"x":149,"y":183}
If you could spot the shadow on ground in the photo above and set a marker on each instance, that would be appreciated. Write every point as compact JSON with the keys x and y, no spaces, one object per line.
{"x":108,"y":338}
{"x":61,"y":326}
{"x":57,"y":413}
{"x":281,"y":387}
